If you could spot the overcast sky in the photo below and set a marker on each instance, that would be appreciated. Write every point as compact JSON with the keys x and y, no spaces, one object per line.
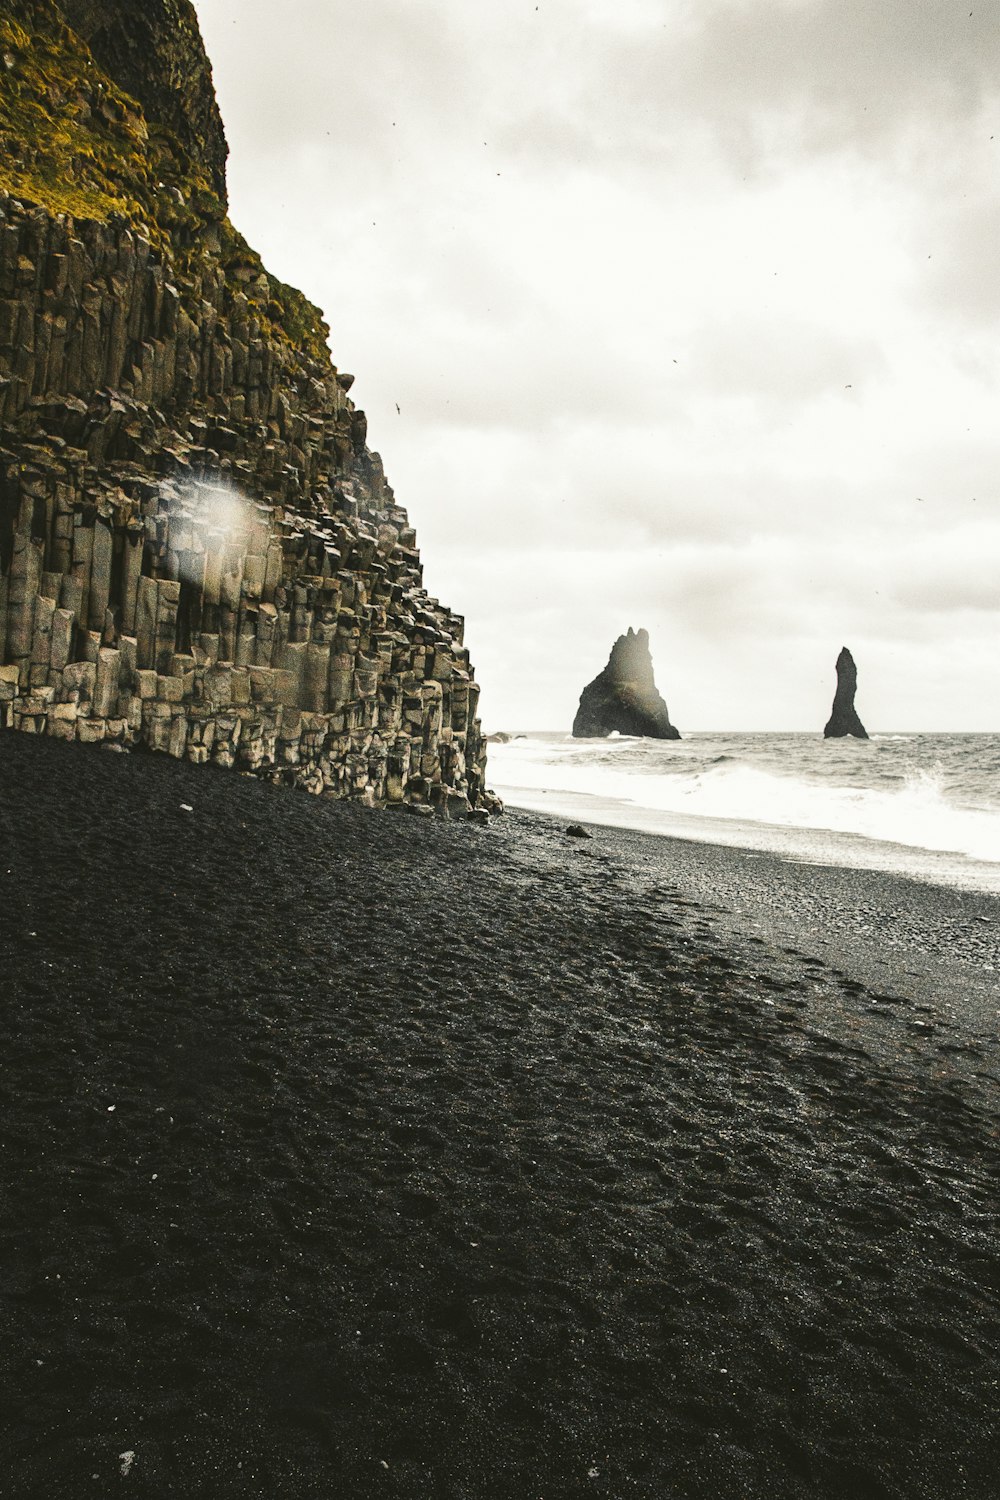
{"x":691,"y":312}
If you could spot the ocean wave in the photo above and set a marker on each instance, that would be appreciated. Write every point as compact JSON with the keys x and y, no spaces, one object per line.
{"x":911,"y":808}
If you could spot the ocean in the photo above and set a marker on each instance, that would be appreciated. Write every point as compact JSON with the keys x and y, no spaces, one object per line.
{"x":923,"y":805}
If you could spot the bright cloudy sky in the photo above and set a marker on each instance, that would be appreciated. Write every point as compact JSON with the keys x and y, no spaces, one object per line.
{"x":691,"y":312}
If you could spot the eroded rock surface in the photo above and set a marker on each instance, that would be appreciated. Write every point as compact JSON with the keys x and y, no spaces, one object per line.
{"x":844,"y":719}
{"x":624,"y":697}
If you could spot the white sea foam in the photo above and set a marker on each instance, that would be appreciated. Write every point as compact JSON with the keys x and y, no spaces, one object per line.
{"x":879,"y":793}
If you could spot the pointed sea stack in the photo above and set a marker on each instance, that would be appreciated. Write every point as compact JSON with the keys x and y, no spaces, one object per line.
{"x":844,"y":718}
{"x":624,"y":696}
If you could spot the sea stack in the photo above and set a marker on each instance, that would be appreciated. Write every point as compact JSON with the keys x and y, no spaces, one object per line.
{"x":623,"y":698}
{"x":844,"y":718}
{"x":199,"y":553}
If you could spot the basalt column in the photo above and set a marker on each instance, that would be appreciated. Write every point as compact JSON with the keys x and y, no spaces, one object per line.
{"x":199,"y":553}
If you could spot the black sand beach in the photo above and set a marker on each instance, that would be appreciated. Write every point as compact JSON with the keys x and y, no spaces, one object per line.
{"x":349,"y":1153}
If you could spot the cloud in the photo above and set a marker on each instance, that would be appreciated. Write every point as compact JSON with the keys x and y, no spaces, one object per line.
{"x":759,"y":79}
{"x":846,"y":68}
{"x":778,"y":360}
{"x":683,"y":307}
{"x":767,"y":80}
{"x":960,"y":272}
{"x":334,"y":70}
{"x":951,"y":573}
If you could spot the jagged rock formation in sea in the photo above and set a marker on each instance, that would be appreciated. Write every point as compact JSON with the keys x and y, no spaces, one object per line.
{"x":623,"y":697}
{"x":198,"y":551}
{"x":844,"y":717}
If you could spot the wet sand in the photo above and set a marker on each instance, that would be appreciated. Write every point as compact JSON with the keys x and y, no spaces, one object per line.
{"x":350,"y":1153}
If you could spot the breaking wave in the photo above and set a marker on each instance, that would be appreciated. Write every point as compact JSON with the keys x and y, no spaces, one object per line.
{"x":878,"y":792}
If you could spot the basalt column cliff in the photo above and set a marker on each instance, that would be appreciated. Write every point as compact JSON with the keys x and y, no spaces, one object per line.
{"x":198,"y":552}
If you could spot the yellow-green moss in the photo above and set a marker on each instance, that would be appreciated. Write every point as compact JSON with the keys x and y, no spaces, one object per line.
{"x":73,"y":143}
{"x":69,"y":140}
{"x":290,"y":316}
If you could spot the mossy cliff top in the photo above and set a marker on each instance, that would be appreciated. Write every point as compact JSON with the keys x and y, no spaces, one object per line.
{"x":155,"y":51}
{"x":107,"y":112}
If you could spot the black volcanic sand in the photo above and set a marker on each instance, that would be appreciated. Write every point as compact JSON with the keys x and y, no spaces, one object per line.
{"x":350,"y":1153}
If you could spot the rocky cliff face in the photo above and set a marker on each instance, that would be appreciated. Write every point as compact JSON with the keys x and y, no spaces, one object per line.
{"x":198,"y":551}
{"x":155,"y":53}
{"x":624,"y":696}
{"x":844,"y":718}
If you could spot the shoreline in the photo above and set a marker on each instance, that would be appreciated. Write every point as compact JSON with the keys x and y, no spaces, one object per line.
{"x":355,"y":1152}
{"x":829,"y":848}
{"x":815,"y":810}
{"x":940,"y":938}
{"x":859,"y":941}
